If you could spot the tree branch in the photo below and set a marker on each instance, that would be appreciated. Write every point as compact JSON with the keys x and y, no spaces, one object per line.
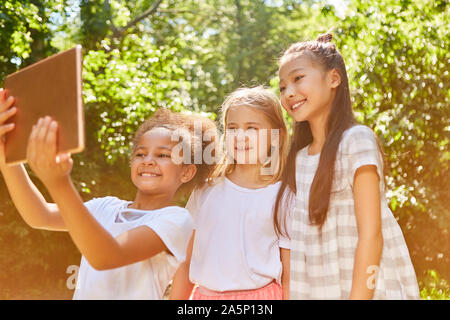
{"x":145,"y":14}
{"x":107,"y":8}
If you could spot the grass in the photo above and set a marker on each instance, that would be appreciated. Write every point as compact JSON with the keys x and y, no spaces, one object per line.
{"x":434,"y":288}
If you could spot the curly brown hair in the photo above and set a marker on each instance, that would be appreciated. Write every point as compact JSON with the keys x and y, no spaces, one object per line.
{"x":164,"y":118}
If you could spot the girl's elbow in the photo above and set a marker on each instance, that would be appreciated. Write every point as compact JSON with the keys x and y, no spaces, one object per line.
{"x":105,"y":263}
{"x":102,"y":266}
{"x":43,"y":224}
{"x":36,"y":227}
{"x":108,"y":263}
{"x":98,"y":267}
{"x":38,"y":220}
{"x":373,"y":238}
{"x":35,"y":224}
{"x":377,"y":242}
{"x":379,"y":238}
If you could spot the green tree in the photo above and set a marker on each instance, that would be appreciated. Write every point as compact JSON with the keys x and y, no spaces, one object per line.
{"x":397,"y":56}
{"x":188,"y":55}
{"x":25,"y":32}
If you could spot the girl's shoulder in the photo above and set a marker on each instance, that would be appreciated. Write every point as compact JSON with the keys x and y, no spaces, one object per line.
{"x":104,"y":207}
{"x":360,"y":146}
{"x":211,"y":185}
{"x":217,"y":181}
{"x":200,"y":193}
{"x":104,"y":202}
{"x":356,"y":138}
{"x":178,"y":215}
{"x":358,"y":130}
{"x":174,"y":210}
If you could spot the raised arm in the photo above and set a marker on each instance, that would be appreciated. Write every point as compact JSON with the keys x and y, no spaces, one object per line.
{"x":97,"y":245}
{"x":30,"y":203}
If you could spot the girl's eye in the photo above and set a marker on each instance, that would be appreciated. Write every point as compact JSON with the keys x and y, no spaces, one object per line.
{"x":164,"y":155}
{"x":298,"y":78}
{"x":252,"y":128}
{"x":139,"y":155}
{"x":282,"y":89}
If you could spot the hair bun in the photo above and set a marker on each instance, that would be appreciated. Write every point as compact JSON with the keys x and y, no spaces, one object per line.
{"x":327,"y":37}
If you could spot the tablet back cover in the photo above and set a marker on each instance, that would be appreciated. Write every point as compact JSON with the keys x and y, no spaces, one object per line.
{"x":49,"y":87}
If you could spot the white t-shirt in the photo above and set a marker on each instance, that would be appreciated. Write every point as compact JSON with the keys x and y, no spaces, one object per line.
{"x":235,"y":245}
{"x":146,"y":279}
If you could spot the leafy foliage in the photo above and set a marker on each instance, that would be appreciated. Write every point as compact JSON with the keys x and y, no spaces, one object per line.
{"x":25,"y":32}
{"x":434,"y":288}
{"x":400,"y":78}
{"x":187,"y":56}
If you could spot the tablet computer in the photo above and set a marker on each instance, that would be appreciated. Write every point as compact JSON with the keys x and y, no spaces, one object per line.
{"x":49,"y":87}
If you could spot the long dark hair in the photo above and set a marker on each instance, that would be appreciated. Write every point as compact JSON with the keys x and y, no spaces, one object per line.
{"x":341,"y":117}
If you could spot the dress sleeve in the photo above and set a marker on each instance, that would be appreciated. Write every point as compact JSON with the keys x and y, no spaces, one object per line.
{"x":174,"y":229}
{"x":360,"y":148}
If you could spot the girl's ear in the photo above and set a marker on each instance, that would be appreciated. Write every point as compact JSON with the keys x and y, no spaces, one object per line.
{"x":334,"y":78}
{"x":188,"y":172}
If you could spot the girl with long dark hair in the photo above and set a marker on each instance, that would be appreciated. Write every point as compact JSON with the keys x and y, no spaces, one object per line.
{"x":345,"y":241}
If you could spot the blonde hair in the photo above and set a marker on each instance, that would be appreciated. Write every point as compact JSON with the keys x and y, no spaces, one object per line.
{"x":264,"y":100}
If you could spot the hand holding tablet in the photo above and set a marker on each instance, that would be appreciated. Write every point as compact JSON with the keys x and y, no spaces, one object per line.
{"x":43,"y":157}
{"x":7,"y":110}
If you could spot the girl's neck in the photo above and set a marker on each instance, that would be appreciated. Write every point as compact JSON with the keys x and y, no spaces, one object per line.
{"x":247,"y":176}
{"x":151,"y":202}
{"x":318,"y":129}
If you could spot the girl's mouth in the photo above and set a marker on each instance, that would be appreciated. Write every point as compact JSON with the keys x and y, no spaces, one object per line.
{"x":298,"y":105}
{"x":148,"y":174}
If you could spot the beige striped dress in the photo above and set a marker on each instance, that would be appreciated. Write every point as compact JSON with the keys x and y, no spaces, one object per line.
{"x":322,"y":266}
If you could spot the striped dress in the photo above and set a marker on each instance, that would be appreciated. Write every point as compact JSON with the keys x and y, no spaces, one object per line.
{"x":322,"y":265}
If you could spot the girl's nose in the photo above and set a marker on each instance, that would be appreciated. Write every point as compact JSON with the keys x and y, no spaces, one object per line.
{"x":241,"y":136}
{"x":290,"y":91}
{"x":291,"y":94}
{"x":149,"y":160}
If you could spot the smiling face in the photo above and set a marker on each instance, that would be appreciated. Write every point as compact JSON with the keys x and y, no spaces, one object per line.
{"x":306,"y":90}
{"x":244,"y":134}
{"x":152,"y":168}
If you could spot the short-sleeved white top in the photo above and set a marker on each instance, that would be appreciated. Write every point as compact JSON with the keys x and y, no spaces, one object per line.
{"x":235,"y":245}
{"x":322,"y":262}
{"x":146,"y":279}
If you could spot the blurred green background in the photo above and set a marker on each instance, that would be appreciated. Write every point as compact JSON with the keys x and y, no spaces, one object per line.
{"x":188,"y":55}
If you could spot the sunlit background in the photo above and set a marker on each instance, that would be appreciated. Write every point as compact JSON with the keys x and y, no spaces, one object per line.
{"x":188,"y":55}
